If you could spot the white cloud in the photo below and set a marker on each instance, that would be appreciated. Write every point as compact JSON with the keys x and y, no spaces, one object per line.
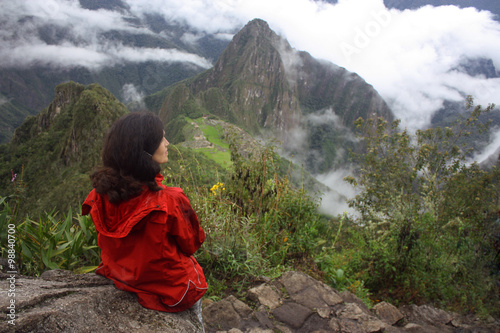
{"x":3,"y":100}
{"x":132,"y":94}
{"x":208,"y":16}
{"x":224,"y":36}
{"x":334,"y":202}
{"x":190,"y":38}
{"x":492,"y":148}
{"x":81,"y":37}
{"x":325,"y":116}
{"x":68,"y":14}
{"x":67,"y":55}
{"x":411,"y":63}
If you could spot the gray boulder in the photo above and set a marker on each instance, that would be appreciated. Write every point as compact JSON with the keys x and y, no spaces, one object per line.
{"x":60,"y":301}
{"x":296,"y":302}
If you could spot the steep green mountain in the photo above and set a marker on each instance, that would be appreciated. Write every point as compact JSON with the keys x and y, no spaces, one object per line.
{"x":53,"y":153}
{"x":263,"y":85}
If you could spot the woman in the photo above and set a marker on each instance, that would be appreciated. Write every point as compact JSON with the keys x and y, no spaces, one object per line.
{"x":147,"y":232}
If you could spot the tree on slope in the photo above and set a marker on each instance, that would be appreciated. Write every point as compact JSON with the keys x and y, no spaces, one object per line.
{"x":427,"y":218}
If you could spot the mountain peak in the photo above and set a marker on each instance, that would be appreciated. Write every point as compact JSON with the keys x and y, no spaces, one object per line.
{"x":255,"y":35}
{"x":263,"y":85}
{"x":251,"y":73}
{"x":257,"y":27}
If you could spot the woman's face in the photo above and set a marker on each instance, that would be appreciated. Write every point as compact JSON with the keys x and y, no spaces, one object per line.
{"x":160,"y":156}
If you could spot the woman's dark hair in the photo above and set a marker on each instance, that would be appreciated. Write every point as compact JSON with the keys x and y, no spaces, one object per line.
{"x":127,"y":157}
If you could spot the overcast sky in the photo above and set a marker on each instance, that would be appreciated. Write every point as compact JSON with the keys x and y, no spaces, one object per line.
{"x":409,"y":56}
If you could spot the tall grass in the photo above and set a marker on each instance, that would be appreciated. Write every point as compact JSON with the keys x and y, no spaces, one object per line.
{"x":50,"y":243}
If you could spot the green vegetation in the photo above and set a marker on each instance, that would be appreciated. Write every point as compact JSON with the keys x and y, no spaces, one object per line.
{"x":220,"y":157}
{"x":428,"y":225}
{"x":11,"y":116}
{"x":56,"y":150}
{"x":256,"y":223}
{"x":424,"y":231}
{"x":215,"y":135}
{"x":48,"y":243}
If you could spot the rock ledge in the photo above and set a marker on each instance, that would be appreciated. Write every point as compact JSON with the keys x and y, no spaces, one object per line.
{"x":60,"y":301}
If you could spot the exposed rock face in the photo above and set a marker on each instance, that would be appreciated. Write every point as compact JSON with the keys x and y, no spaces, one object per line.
{"x":247,"y":86}
{"x":60,"y":301}
{"x":252,"y":72}
{"x":297,"y":303}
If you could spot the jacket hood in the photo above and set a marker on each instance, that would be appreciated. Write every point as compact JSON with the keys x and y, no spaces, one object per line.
{"x":116,"y":220}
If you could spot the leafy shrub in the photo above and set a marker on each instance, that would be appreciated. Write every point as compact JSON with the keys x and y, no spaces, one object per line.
{"x":51,"y":243}
{"x":427,"y":218}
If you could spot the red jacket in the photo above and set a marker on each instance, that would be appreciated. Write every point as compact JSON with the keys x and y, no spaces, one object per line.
{"x":147,"y":245}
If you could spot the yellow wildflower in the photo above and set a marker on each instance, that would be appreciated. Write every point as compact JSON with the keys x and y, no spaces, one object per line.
{"x":216,"y":187}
